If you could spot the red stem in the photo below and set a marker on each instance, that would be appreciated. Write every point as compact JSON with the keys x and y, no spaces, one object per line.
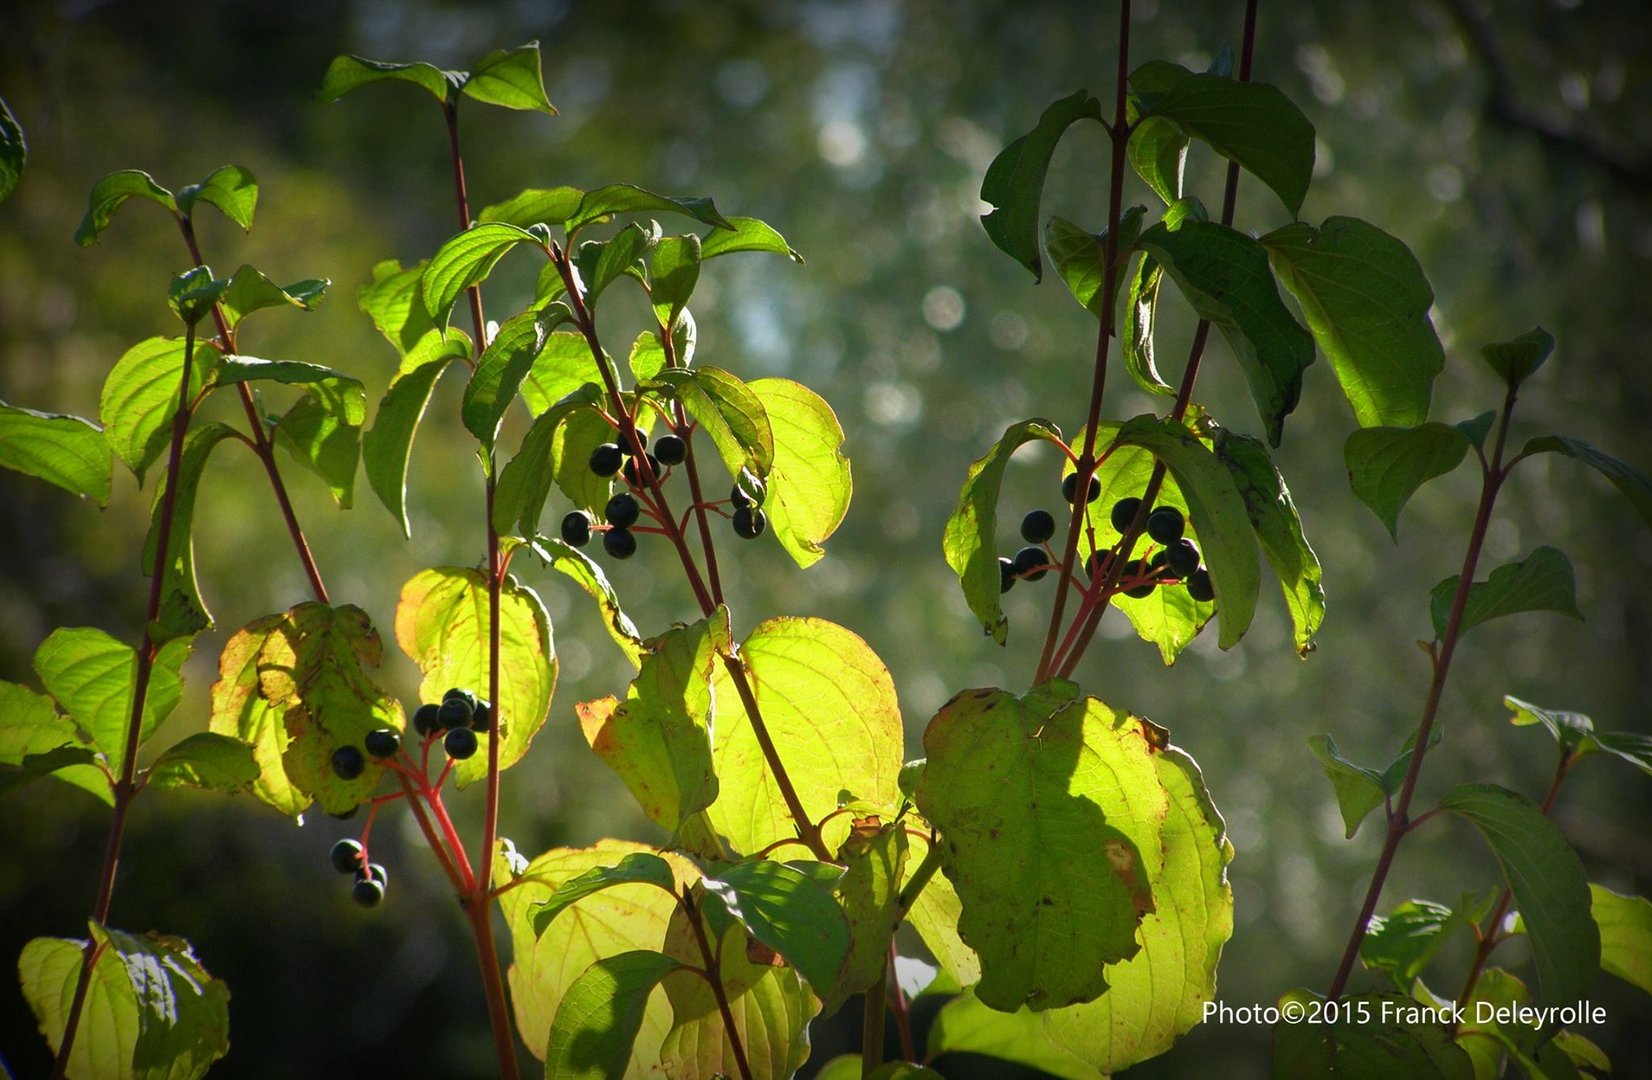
{"x":714,"y":976}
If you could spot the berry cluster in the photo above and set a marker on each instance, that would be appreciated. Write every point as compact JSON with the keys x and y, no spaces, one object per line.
{"x":371,"y":879}
{"x":624,"y":509}
{"x":461,"y":715}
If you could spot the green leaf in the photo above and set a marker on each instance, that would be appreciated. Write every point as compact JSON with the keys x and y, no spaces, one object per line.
{"x":1160,"y":993}
{"x":140,"y":397}
{"x":564,"y":366}
{"x":1550,"y":889}
{"x":1218,"y":514}
{"x":1158,"y":153}
{"x":1625,"y":925}
{"x":787,"y":910}
{"x":505,"y":363}
{"x":608,"y":923}
{"x":971,"y":541}
{"x":1141,"y":313}
{"x":1403,"y":942}
{"x":830,"y":708}
{"x":1279,"y":528}
{"x":659,"y":739}
{"x":1080,"y":258}
{"x":63,"y":450}
{"x":746,"y":234}
{"x":874,"y":855}
{"x":1367,"y":301}
{"x":603,"y":203}
{"x":231,"y":189}
{"x":596,"y":1024}
{"x":35,"y":742}
{"x":249,"y":290}
{"x":465,"y":260}
{"x":322,"y":430}
{"x":535,"y":206}
{"x":194,"y":292}
{"x":1004,"y":775}
{"x":77,"y":765}
{"x":934,"y":916}
{"x":673,"y":271}
{"x":182,"y":612}
{"x":1014,"y":182}
{"x":205,"y":760}
{"x":1635,"y":485}
{"x":639,"y":866}
{"x":809,"y":481}
{"x":1250,"y":123}
{"x":1540,"y":582}
{"x":442,"y":624}
{"x":386,"y":448}
{"x":151,"y":1009}
{"x":1224,"y":274}
{"x":1518,"y":359}
{"x":1571,"y":730}
{"x":588,"y":575}
{"x":346,"y":73}
{"x":1631,"y":746}
{"x":14,"y":151}
{"x":729,"y":411}
{"x":92,"y":677}
{"x":1478,"y":428}
{"x":965,"y":1026}
{"x":1387,"y":465}
{"x":510,"y":78}
{"x":109,"y":193}
{"x":239,"y":709}
{"x":1358,"y":790}
{"x":393,"y":302}
{"x":557,"y":447}
{"x":1374,"y":1036}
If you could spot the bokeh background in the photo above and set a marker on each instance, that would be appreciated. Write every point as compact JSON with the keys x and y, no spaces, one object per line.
{"x":1508,"y":142}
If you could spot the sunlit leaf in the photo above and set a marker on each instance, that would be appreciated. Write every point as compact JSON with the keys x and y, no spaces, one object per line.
{"x":533,"y":206}
{"x":387,"y":446}
{"x":965,"y":1026}
{"x":729,"y":411}
{"x":1279,"y":529}
{"x":588,"y":575}
{"x":934,"y":916}
{"x":615,"y":257}
{"x":1141,"y":308}
{"x":109,"y":193}
{"x":746,"y":234}
{"x":92,"y":676}
{"x":322,"y":430}
{"x":1387,"y":465}
{"x":393,"y":302}
{"x":1014,"y":182}
{"x":673,"y":271}
{"x":347,"y":73}
{"x":205,"y":760}
{"x":809,"y":482}
{"x":786,"y":909}
{"x":232,"y":189}
{"x":1359,"y":790}
{"x":510,"y":78}
{"x":249,"y":290}
{"x":1540,"y":582}
{"x":639,"y":866}
{"x":602,"y":203}
{"x":64,"y":450}
{"x":502,"y":367}
{"x":1158,"y":153}
{"x":1402,"y":942}
{"x":598,"y":1019}
{"x":182,"y":612}
{"x":875,"y":857}
{"x":36,"y":742}
{"x":466,"y":260}
{"x":1625,"y":924}
{"x":1571,"y":730}
{"x":140,"y":397}
{"x":240,"y":710}
{"x":1080,"y":258}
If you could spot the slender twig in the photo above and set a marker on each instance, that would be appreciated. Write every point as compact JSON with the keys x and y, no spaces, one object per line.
{"x":714,"y":976}
{"x":1398,"y":822}
{"x":697,"y":504}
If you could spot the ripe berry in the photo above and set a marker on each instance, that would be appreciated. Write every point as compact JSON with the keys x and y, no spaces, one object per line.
{"x":1182,"y":558}
{"x":456,"y":713}
{"x":383,"y":743}
{"x":1028,"y":557}
{"x":1165,"y":524}
{"x":576,"y":528}
{"x":460,"y":743}
{"x":427,"y":718}
{"x":749,"y":522}
{"x":482,"y":718}
{"x":1097,"y":564}
{"x":374,"y":872}
{"x":1069,"y":488}
{"x":367,"y":892}
{"x":1199,"y":586}
{"x":738,"y":498}
{"x":642,"y":437}
{"x":633,"y":477}
{"x":1038,"y":526}
{"x":670,"y":450}
{"x":1124,"y":512}
{"x":467,"y":696}
{"x":607,"y":459}
{"x":348,"y":762}
{"x":346,"y":856}
{"x":620,"y":543}
{"x":621,"y":511}
{"x":1006,"y":574}
{"x":1146,"y":587}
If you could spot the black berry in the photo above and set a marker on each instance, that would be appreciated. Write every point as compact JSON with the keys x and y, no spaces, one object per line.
{"x":367,"y":892}
{"x":460,"y":743}
{"x":738,"y":498}
{"x":348,"y":762}
{"x":1146,"y":587}
{"x":1069,"y":488}
{"x":375,"y":872}
{"x":1199,"y":586}
{"x":383,"y":743}
{"x":456,"y":713}
{"x":346,"y":856}
{"x":427,"y":718}
{"x":620,"y":543}
{"x":460,"y":693}
{"x":642,"y":437}
{"x":576,"y":528}
{"x":607,"y":459}
{"x":1038,"y":526}
{"x":1028,"y":557}
{"x":1006,"y":574}
{"x":621,"y":511}
{"x":1097,"y":564}
{"x":482,"y":718}
{"x":1165,"y":524}
{"x":1182,"y":558}
{"x":670,"y":450}
{"x":749,"y":522}
{"x":1124,"y":512}
{"x":633,"y":477}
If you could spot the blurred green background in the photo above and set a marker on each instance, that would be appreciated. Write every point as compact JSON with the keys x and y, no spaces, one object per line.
{"x":861,"y":130}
